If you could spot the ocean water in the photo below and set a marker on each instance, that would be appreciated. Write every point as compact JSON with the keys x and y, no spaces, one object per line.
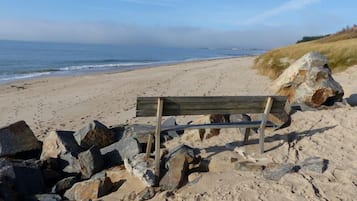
{"x":24,"y":60}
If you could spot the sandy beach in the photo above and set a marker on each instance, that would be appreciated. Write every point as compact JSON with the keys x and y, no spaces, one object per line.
{"x":68,"y":103}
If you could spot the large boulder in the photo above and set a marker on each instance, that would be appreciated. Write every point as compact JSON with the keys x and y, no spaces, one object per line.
{"x":89,"y":189}
{"x":140,"y":132}
{"x":141,"y":168}
{"x":19,"y":178}
{"x":95,"y":133}
{"x":177,"y":164}
{"x":64,"y":184}
{"x":17,"y":138}
{"x":91,"y":162}
{"x":57,"y":143}
{"x":114,"y":154}
{"x":308,"y":81}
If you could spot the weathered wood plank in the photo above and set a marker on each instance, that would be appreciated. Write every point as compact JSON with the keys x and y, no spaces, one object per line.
{"x":200,"y":99}
{"x":263,"y":123}
{"x":157,"y":137}
{"x":173,"y":106}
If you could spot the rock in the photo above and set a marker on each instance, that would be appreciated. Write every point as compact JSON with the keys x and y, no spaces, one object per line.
{"x":315,"y":164}
{"x":177,"y":165}
{"x":170,"y":122}
{"x":45,"y":197}
{"x":194,"y":177}
{"x":23,"y":177}
{"x":61,"y":186}
{"x":100,"y":174}
{"x":95,"y":133}
{"x":116,"y":173}
{"x":146,"y":194}
{"x":118,"y":131}
{"x":139,"y":131}
{"x":207,"y":119}
{"x":176,"y":175}
{"x":141,"y":168}
{"x":8,"y":193}
{"x":308,"y":81}
{"x":115,"y":153}
{"x":57,"y":143}
{"x":89,"y":189}
{"x":90,"y":161}
{"x":16,"y":138}
{"x":69,"y":163}
{"x":276,"y":172}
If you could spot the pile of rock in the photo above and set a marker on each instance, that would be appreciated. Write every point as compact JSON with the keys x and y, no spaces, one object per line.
{"x":71,"y":165}
{"x":309,"y":83}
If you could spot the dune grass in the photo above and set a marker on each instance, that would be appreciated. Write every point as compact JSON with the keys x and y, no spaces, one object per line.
{"x":341,"y":53}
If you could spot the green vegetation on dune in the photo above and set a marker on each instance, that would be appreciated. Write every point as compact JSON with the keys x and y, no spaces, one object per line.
{"x":340,"y":49}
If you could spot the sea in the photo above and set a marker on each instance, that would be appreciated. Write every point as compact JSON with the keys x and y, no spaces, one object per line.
{"x":26,"y":60}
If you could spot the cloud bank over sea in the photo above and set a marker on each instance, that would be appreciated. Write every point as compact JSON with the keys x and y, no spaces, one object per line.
{"x":125,"y":34}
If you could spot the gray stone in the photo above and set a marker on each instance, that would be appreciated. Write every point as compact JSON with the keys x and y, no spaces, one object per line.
{"x":69,"y":163}
{"x":309,"y":81}
{"x":191,"y":154}
{"x":23,"y":177}
{"x":99,"y":175}
{"x":95,"y":133}
{"x":89,"y":189}
{"x":91,"y":161}
{"x":170,"y":122}
{"x":64,"y":184}
{"x":16,"y":138}
{"x":115,"y":153}
{"x":315,"y":164}
{"x":276,"y":172}
{"x":45,"y":197}
{"x":139,"y":131}
{"x":146,"y":194}
{"x":141,"y":168}
{"x":57,"y":143}
{"x":177,"y":165}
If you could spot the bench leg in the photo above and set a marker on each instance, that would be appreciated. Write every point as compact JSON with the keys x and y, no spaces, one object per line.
{"x":148,"y":147}
{"x":246,"y":135}
{"x":264,"y":121}
{"x":157,"y":137}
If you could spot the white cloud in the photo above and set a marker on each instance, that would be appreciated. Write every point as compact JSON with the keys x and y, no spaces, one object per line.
{"x":288,"y":6}
{"x":113,"y":33}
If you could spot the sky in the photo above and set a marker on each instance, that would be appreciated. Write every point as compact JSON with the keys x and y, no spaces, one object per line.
{"x":174,"y":23}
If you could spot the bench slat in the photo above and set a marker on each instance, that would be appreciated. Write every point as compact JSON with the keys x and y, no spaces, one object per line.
{"x":251,"y":124}
{"x":174,"y":106}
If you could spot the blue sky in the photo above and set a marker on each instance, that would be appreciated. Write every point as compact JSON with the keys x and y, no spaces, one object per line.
{"x":182,"y":23}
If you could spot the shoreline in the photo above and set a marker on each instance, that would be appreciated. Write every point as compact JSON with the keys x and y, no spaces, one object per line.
{"x":115,"y":70}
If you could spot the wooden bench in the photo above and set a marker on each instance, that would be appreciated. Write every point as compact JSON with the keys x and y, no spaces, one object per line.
{"x":204,"y":105}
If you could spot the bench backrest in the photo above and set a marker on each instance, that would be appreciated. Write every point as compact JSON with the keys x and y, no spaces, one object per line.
{"x":201,"y":105}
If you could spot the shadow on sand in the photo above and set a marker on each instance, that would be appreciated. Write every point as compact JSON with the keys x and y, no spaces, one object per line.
{"x":352,"y":100}
{"x":287,"y":138}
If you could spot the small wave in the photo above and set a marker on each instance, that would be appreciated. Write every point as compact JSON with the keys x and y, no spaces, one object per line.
{"x":22,"y":76}
{"x":46,"y":70}
{"x":103,"y":66}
